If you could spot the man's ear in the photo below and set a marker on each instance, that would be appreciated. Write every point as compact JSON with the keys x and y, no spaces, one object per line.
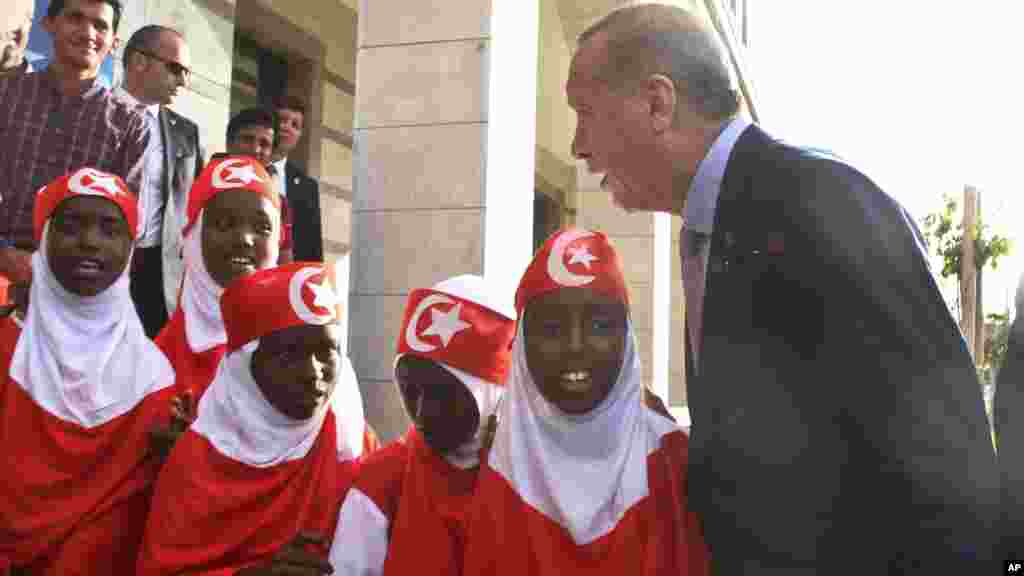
{"x":663,"y":99}
{"x":115,"y":44}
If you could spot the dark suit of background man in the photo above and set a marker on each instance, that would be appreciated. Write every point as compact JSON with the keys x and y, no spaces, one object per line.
{"x":838,"y":425}
{"x":1008,"y":408}
{"x":301,"y":192}
{"x":156,"y":62}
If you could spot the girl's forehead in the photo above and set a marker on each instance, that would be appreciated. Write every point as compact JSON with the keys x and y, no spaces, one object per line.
{"x":239,"y":200}
{"x":568,"y":299}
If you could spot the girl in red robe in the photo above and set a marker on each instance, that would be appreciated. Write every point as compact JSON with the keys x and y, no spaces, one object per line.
{"x":583,"y":478}
{"x":81,"y":389}
{"x":404,"y":512}
{"x":233,"y":228}
{"x":255,"y":485}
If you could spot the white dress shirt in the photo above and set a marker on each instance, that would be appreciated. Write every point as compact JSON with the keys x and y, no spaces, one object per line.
{"x":151,"y":199}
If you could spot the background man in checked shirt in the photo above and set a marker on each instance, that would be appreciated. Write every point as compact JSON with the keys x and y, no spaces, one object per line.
{"x":62,"y":118}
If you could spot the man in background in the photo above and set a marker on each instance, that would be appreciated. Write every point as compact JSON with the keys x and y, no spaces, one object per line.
{"x":17,"y":22}
{"x":253,"y":132}
{"x":301,"y":193}
{"x":156,"y":71}
{"x":63,"y":118}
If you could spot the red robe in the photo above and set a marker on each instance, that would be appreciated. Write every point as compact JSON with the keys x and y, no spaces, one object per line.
{"x":213,"y":515}
{"x":422,"y":499}
{"x":194,"y":372}
{"x":73,"y":500}
{"x":657,"y":536}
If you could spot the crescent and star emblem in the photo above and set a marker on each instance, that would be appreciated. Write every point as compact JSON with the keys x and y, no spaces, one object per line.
{"x":323,"y":297}
{"x":234,"y":173}
{"x":444,"y":325}
{"x":99,"y":184}
{"x":556,"y":259}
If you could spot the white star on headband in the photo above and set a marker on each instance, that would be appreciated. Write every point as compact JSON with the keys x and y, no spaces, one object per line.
{"x":582,"y":256}
{"x":323,"y":295}
{"x":446,"y":324}
{"x":244,"y":174}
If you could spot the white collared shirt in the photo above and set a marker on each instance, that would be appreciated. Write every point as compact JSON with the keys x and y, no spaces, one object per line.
{"x":279,"y":178}
{"x":151,"y":200}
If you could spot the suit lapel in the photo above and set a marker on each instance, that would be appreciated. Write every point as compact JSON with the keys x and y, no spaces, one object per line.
{"x":166,"y":137}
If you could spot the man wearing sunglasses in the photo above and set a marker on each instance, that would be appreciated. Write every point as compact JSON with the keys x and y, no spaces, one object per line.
{"x":156,"y":71}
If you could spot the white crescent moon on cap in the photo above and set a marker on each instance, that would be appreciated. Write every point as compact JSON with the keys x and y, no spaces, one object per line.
{"x":298,"y":304}
{"x":102,"y":185}
{"x":411,"y":338}
{"x":556,"y":260}
{"x":219,"y":181}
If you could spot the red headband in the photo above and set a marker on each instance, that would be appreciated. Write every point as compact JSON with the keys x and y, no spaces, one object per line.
{"x":453,"y":329}
{"x":230,"y":173}
{"x":573,"y":258}
{"x":296,"y":294}
{"x":84,"y":182}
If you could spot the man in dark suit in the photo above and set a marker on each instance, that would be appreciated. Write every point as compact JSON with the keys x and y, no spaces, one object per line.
{"x":837,"y":420}
{"x":1008,"y":411}
{"x":156,"y":69}
{"x":301,"y":192}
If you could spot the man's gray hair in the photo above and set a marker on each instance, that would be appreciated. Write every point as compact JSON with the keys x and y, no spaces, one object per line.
{"x":648,"y":39}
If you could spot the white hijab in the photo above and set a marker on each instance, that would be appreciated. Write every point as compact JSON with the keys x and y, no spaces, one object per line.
{"x":200,"y":293}
{"x":85,"y":359}
{"x":242,"y":425}
{"x":584,"y":471}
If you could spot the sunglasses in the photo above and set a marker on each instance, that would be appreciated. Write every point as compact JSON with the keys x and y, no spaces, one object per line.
{"x":174,"y":67}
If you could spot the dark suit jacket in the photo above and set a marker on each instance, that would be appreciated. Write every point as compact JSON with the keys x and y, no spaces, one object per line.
{"x":304,"y":202}
{"x":183,"y":154}
{"x":837,"y":418}
{"x":1008,"y":408}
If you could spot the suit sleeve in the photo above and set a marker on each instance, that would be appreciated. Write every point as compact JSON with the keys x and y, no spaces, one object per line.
{"x":360,"y":542}
{"x":200,"y":154}
{"x":901,"y":367}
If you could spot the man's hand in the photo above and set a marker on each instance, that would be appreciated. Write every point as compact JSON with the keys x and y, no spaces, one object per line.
{"x":183,"y":413}
{"x":294,"y":559}
{"x":16,"y":265}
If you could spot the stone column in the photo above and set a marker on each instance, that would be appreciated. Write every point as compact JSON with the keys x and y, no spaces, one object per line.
{"x":444,"y":165}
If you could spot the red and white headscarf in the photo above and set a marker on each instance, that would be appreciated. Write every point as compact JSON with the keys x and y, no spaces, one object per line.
{"x":462,"y":326}
{"x":234,"y":415}
{"x":200,"y":294}
{"x":583,"y":472}
{"x":85,"y":359}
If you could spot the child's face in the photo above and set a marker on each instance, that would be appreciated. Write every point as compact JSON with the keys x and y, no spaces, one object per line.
{"x":88,"y":244}
{"x":574,"y":340}
{"x":238,"y":235}
{"x":441,"y":407}
{"x":296,"y":368}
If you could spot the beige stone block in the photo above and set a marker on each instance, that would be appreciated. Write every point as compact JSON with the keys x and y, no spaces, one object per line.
{"x":336,"y":218}
{"x":374,"y":323}
{"x":597,"y":212}
{"x":338,"y":108}
{"x":404,"y":22}
{"x":336,"y":163}
{"x":641,"y":306}
{"x":421,"y":84}
{"x":637,"y":255}
{"x":383,"y":408}
{"x":421,"y":167}
{"x":395,"y":252}
{"x":210,"y":37}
